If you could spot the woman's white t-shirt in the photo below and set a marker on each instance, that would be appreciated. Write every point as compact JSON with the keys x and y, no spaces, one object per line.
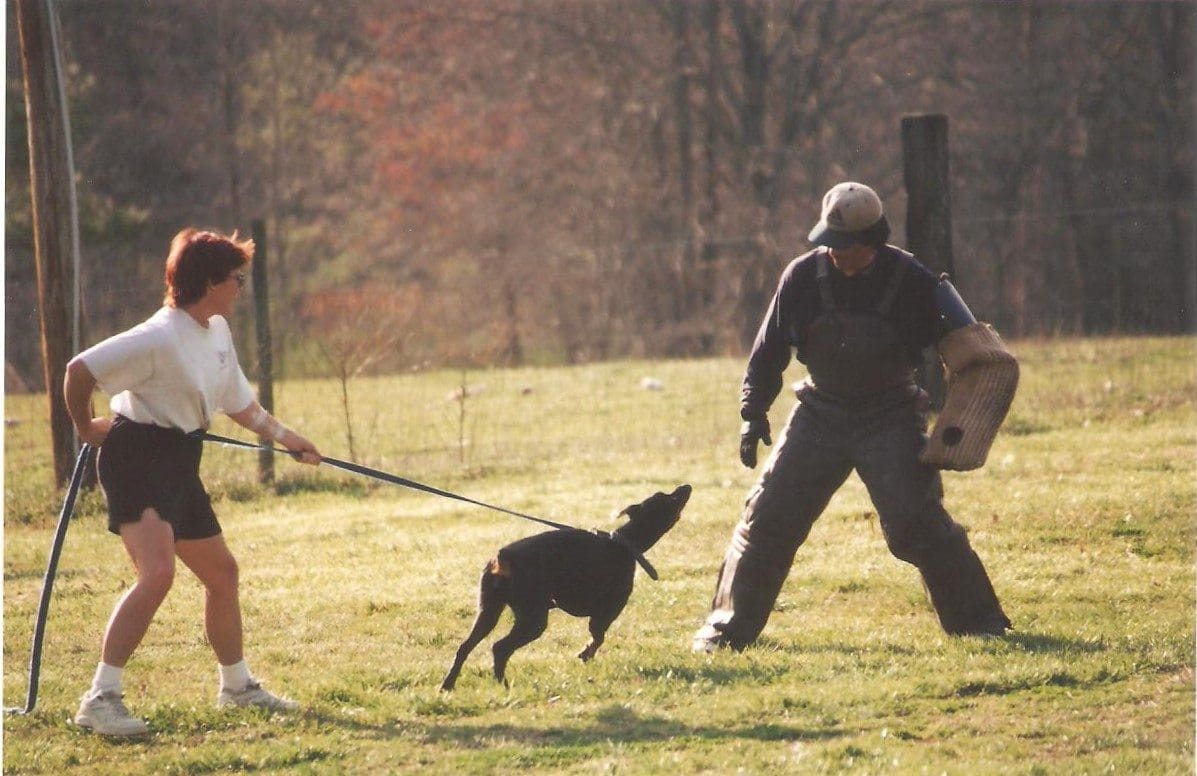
{"x":171,"y":371}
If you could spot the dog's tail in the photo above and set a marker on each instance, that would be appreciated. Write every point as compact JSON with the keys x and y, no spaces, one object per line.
{"x":492,"y":588}
{"x":496,"y":568}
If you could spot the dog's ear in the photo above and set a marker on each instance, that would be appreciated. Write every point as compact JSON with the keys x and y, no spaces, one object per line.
{"x":628,"y":512}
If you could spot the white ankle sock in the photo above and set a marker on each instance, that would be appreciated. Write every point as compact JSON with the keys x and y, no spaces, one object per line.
{"x":107,"y":679}
{"x":235,"y":677}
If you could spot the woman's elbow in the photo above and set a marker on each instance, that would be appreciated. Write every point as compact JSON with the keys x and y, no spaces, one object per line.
{"x":78,"y":374}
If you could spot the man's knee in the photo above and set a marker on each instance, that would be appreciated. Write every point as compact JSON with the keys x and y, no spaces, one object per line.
{"x":924,"y":541}
{"x":775,"y":516}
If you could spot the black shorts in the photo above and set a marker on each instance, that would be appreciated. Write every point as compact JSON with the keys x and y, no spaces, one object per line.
{"x":143,"y":466}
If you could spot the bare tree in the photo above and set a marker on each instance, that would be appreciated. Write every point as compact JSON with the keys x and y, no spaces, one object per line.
{"x":355,"y":329}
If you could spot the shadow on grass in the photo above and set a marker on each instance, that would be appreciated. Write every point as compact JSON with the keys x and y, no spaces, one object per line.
{"x":618,"y":724}
{"x":17,"y":575}
{"x":766,"y":644}
{"x":1041,"y":642}
{"x":1024,"y":641}
{"x":614,"y":723}
{"x":715,"y":674}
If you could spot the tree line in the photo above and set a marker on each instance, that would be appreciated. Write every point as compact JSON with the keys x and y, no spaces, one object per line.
{"x":542,"y":181}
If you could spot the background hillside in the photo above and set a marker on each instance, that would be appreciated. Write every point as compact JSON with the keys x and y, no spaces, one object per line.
{"x":541,"y":181}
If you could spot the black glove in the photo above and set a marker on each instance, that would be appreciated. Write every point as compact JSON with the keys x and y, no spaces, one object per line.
{"x":751,"y":432}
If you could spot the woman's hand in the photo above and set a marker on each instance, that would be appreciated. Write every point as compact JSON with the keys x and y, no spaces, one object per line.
{"x":258,"y":420}
{"x":300,"y":448}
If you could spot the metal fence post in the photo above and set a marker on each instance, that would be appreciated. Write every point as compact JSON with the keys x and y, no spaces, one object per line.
{"x":265,"y":356}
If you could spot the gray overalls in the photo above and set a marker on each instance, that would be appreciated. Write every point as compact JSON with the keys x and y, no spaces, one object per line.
{"x":861,"y":409}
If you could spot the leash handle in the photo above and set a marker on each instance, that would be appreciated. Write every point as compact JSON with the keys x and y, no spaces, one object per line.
{"x":43,"y":608}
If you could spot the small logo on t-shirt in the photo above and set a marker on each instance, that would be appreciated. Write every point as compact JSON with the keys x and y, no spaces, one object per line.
{"x":223,"y":357}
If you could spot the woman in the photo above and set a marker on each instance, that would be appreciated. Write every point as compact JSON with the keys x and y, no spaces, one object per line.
{"x":167,"y":376}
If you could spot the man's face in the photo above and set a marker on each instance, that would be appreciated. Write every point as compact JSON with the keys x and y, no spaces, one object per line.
{"x":853,"y":258}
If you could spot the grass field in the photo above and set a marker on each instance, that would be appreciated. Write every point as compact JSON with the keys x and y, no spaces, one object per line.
{"x":356,"y":594}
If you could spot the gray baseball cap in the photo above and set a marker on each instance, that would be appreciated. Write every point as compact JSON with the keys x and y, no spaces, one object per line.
{"x":852,"y":214}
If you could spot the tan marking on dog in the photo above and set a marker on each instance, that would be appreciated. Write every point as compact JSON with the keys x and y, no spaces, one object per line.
{"x":497,"y":569}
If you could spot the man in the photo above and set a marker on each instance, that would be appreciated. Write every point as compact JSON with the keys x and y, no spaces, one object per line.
{"x":858,"y":313}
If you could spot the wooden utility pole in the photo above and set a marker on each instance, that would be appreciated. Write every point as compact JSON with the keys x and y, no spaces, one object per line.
{"x":50,"y":187}
{"x":928,"y":214}
{"x":265,"y":349}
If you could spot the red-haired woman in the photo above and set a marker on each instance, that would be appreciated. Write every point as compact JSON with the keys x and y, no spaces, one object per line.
{"x":167,"y":377}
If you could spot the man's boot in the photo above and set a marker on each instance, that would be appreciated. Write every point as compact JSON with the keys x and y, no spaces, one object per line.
{"x":963,"y":596}
{"x":749,"y":583}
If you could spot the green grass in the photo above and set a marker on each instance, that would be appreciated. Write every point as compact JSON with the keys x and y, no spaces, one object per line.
{"x":356,"y":594}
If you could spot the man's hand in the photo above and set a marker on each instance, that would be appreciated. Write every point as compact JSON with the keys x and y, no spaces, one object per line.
{"x":751,"y":432}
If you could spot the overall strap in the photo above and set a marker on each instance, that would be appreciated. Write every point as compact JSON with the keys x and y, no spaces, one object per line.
{"x":891,"y":290}
{"x":823,"y":279}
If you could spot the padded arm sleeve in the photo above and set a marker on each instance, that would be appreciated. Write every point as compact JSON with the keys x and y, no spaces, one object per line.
{"x":982,"y":379}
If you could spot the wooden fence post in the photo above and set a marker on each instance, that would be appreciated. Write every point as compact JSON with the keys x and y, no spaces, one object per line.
{"x":50,"y":182}
{"x":262,"y":328}
{"x":928,"y":215}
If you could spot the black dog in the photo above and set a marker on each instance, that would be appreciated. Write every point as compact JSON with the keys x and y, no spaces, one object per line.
{"x":587,"y":574}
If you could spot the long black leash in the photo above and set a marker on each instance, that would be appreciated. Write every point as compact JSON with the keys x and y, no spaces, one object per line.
{"x":394,"y":479}
{"x":43,"y":609}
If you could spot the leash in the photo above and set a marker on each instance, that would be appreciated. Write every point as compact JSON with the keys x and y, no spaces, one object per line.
{"x":43,"y":609}
{"x":404,"y":482}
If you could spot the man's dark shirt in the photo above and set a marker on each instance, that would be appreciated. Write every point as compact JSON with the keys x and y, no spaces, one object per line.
{"x":796,"y":304}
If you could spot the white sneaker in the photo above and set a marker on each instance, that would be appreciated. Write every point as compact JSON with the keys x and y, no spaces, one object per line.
{"x":254,"y":695}
{"x":106,"y":714}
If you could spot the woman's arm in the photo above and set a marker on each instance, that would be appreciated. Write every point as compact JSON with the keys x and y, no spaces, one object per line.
{"x":77,"y":388}
{"x":258,"y":420}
